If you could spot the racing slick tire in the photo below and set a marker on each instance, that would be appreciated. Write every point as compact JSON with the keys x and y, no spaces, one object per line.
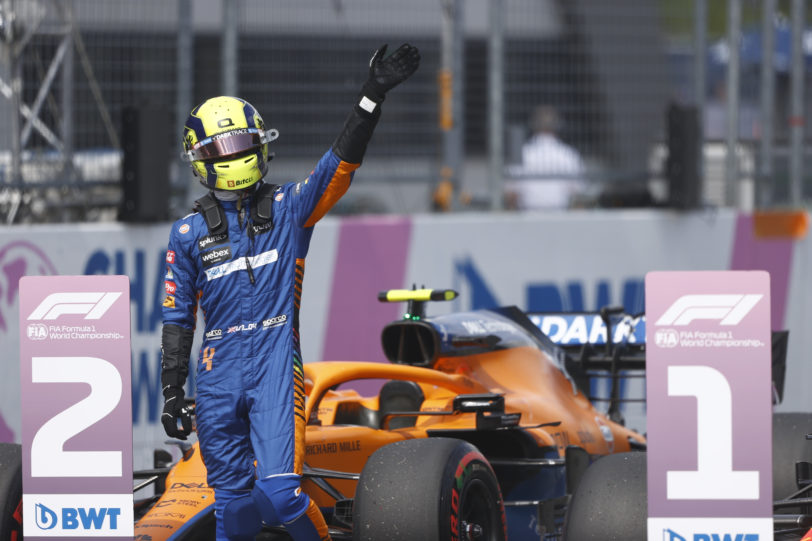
{"x":610,"y":503}
{"x":11,"y":491}
{"x":789,"y":446}
{"x":434,"y":489}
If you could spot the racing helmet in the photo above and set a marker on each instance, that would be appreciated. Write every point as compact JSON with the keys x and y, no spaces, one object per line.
{"x":226,"y":143}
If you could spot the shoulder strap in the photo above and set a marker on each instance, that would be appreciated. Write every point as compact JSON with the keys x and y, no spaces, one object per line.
{"x":262,"y":211}
{"x":213,"y":213}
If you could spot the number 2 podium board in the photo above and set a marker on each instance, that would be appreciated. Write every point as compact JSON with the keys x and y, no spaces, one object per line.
{"x":709,"y":406}
{"x":76,"y":407}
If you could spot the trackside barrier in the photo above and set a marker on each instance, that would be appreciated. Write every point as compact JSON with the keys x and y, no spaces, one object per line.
{"x":540,"y":262}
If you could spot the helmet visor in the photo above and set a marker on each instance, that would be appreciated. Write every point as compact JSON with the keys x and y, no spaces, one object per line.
{"x":230,"y":143}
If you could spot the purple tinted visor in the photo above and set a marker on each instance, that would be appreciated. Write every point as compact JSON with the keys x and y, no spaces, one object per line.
{"x":230,"y":143}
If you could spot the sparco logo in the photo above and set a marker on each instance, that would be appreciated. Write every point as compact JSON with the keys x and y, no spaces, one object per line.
{"x":93,"y":305}
{"x":726,"y":309}
{"x":274,"y":321}
{"x":216,"y":256}
{"x":212,"y":240}
{"x":214,"y":334}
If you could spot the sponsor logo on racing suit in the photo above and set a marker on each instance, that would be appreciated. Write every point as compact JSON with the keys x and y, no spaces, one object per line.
{"x":215,"y":256}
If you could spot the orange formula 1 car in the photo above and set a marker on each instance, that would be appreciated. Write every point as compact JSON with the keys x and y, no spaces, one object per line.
{"x":478,"y":432}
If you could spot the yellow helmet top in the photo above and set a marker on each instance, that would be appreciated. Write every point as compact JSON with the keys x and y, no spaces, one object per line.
{"x":226,"y":143}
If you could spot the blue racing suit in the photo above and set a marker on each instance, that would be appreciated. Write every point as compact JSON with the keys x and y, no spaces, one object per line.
{"x":248,"y":284}
{"x":245,"y":272}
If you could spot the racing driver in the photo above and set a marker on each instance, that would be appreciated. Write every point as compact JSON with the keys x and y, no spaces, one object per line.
{"x":240,"y":257}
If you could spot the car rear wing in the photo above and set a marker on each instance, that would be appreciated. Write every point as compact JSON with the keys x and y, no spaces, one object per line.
{"x":584,"y":338}
{"x":604,"y":340}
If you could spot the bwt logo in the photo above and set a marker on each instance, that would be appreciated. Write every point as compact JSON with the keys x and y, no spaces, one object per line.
{"x":671,"y":535}
{"x":93,"y":305}
{"x":727,"y":309}
{"x":76,"y":518}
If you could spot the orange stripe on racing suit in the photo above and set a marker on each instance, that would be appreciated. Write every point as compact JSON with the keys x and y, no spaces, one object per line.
{"x":335,"y":189}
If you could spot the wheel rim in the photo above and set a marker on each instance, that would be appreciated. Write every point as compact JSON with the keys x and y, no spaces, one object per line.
{"x":478,"y":520}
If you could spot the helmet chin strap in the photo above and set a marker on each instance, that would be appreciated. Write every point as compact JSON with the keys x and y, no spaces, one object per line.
{"x":234,"y":195}
{"x":226,"y":195}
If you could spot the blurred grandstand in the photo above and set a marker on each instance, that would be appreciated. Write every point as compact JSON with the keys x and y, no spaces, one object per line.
{"x":93,"y":94}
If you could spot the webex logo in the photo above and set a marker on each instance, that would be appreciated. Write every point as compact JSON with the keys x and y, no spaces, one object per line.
{"x":93,"y":305}
{"x":727,"y":309}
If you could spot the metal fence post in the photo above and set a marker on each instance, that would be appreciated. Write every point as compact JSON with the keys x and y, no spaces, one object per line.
{"x":68,"y":100}
{"x":797,"y":104}
{"x":496,"y":103}
{"x":732,"y":187}
{"x":451,"y":95}
{"x":700,"y":78}
{"x":228,"y":54}
{"x":763,"y":192}
{"x":183,"y":103}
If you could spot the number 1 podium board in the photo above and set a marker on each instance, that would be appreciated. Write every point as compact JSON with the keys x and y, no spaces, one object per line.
{"x":709,"y":406}
{"x":76,"y":407}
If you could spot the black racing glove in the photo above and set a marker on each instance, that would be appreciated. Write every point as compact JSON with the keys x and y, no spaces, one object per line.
{"x":385,"y":73}
{"x":175,"y":410}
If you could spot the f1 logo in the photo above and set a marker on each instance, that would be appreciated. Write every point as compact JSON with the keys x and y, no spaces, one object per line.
{"x":728,"y":309}
{"x":92,"y":304}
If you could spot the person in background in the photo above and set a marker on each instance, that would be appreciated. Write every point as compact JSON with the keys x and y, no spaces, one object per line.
{"x":240,"y":258}
{"x":552,"y":173}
